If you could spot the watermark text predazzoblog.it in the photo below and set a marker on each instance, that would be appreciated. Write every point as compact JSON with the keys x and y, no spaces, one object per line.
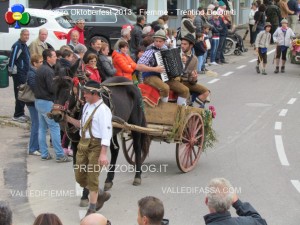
{"x":162,"y":168}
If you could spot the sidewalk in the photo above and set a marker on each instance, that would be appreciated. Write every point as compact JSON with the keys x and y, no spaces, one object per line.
{"x":7,"y":108}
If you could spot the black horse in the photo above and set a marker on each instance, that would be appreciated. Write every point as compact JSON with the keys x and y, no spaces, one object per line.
{"x":125,"y":101}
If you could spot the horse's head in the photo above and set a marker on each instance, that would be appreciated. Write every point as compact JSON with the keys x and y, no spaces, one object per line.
{"x":63,"y":85}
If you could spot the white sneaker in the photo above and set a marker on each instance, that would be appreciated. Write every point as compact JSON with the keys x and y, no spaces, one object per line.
{"x":20,"y":119}
{"x":214,"y":63}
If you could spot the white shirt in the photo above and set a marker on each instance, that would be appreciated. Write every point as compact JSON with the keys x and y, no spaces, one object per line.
{"x":101,"y":122}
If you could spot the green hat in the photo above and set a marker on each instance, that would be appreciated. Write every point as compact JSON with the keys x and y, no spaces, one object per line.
{"x":160,"y":34}
{"x":268,"y":24}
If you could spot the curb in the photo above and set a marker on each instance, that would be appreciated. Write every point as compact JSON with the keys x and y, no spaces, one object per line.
{"x":6,"y":121}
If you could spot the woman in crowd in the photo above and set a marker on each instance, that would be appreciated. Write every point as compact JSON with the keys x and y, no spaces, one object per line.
{"x":36,"y":62}
{"x":260,"y":20}
{"x":123,"y":63}
{"x":252,"y":22}
{"x":106,"y":70}
{"x":91,"y":68}
{"x":47,"y":219}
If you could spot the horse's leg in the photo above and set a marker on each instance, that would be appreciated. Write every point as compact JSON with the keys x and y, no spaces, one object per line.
{"x":114,"y":149}
{"x":84,"y":201}
{"x":136,"y":137}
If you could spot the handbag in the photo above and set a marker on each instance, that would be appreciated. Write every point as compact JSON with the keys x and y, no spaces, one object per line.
{"x":25,"y":94}
{"x":207,"y":43}
{"x":254,"y":27}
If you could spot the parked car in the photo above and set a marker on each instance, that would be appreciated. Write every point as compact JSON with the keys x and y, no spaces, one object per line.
{"x":57,"y":23}
{"x":101,"y":20}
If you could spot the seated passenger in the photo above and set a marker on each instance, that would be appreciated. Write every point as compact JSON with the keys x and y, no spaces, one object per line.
{"x":189,"y":78}
{"x":154,"y":79}
{"x":125,"y":65}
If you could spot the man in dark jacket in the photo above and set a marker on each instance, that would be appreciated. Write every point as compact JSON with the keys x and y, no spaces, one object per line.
{"x":220,"y":197}
{"x":95,"y":46}
{"x":44,"y":94}
{"x":136,"y":36}
{"x":292,"y":18}
{"x":18,"y":66}
{"x":273,"y":17}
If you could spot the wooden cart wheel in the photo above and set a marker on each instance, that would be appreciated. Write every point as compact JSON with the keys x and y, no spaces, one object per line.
{"x":127,"y":145}
{"x":189,"y":150}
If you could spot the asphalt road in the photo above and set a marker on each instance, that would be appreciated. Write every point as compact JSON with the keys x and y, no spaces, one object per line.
{"x":258,"y":151}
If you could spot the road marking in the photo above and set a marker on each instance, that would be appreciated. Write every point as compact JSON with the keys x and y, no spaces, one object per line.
{"x":283,"y":112}
{"x":296,"y":184}
{"x":227,"y":74}
{"x":271,"y":51}
{"x":280,"y":151}
{"x":292,"y":101}
{"x":240,"y":67}
{"x":253,"y":60}
{"x":81,"y":213}
{"x":78,"y":189}
{"x":278,"y":126}
{"x":213,"y":81}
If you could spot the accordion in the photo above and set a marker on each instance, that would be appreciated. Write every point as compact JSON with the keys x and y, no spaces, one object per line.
{"x":170,"y":59}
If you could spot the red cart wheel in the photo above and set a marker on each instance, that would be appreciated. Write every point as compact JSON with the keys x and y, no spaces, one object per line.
{"x":189,"y":150}
{"x":127,"y":145}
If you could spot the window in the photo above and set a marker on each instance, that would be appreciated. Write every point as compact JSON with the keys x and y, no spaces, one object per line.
{"x":64,"y":21}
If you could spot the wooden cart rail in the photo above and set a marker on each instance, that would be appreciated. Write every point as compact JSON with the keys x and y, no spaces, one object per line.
{"x":151,"y":129}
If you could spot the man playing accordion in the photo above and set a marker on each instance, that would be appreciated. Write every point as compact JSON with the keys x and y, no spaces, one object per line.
{"x":154,"y":79}
{"x":189,"y":77}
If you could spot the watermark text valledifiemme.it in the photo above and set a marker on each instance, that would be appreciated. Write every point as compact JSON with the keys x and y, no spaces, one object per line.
{"x":46,"y":193}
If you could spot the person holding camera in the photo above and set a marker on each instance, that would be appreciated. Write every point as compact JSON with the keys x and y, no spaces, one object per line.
{"x":220,"y":197}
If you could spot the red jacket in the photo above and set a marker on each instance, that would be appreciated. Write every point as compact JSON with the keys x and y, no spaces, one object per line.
{"x":93,"y":73}
{"x":124,"y":64}
{"x":81,"y":35}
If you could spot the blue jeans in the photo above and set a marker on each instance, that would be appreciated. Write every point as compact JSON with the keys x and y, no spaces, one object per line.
{"x":200,"y":62}
{"x":214,"y":49}
{"x":204,"y":61}
{"x":43,"y":107}
{"x":34,"y":129}
{"x":220,"y":51}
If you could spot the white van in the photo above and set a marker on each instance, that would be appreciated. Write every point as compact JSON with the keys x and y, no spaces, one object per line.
{"x":58,"y":25}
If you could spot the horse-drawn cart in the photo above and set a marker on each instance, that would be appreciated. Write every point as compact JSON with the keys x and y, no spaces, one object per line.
{"x":170,"y":122}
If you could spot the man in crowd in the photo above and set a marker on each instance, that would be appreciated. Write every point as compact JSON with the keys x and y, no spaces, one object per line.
{"x":95,"y":219}
{"x":136,"y":36}
{"x":39,"y":45}
{"x":151,"y":211}
{"x":95,"y":47}
{"x":44,"y":94}
{"x":190,"y":75}
{"x":293,"y":18}
{"x":96,"y":132}
{"x":219,"y":199}
{"x":125,"y":36}
{"x":273,"y":17}
{"x":79,"y":26}
{"x":74,"y":39}
{"x":18,"y":67}
{"x":5,"y":214}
